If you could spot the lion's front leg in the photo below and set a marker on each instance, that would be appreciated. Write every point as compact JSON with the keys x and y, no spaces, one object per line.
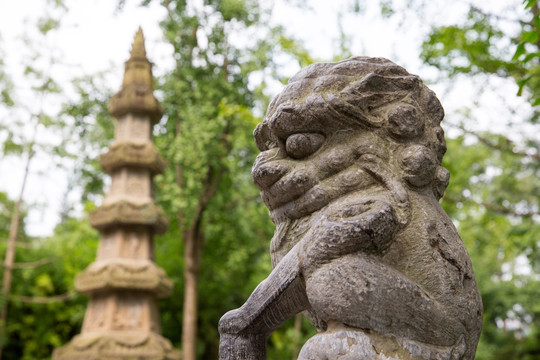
{"x":244,"y":331}
{"x":349,"y":226}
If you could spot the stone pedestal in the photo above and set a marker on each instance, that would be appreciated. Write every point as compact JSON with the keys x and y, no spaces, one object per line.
{"x":122,"y":317}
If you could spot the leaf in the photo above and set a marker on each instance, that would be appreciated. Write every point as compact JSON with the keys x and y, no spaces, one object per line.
{"x":521,"y":83}
{"x":11,"y":147}
{"x":45,"y":120}
{"x":6,"y":97}
{"x":44,"y":283}
{"x":387,"y":9}
{"x":529,"y":37}
{"x":520,"y":50}
{"x":529,"y":3}
{"x":531,"y":56}
{"x":47,"y":24}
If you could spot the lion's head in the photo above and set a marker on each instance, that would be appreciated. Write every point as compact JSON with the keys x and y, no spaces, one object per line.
{"x":329,"y":116}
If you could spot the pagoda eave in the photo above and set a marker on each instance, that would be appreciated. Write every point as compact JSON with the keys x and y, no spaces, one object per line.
{"x":128,"y":213}
{"x":138,"y":99}
{"x":125,"y":275}
{"x":121,"y":345}
{"x":132,"y":154}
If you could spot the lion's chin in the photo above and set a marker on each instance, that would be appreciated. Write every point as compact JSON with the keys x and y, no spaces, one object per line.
{"x":287,"y":234}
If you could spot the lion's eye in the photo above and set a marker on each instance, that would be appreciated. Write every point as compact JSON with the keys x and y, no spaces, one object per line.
{"x":299,"y":146}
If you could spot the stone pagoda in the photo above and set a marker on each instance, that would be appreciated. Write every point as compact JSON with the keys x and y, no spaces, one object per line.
{"x":122,"y":319}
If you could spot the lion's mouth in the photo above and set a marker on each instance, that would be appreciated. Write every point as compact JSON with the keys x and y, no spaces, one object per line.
{"x":292,"y":189}
{"x":301,"y":193}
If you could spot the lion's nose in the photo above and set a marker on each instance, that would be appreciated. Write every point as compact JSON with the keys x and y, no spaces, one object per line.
{"x":265,"y":175}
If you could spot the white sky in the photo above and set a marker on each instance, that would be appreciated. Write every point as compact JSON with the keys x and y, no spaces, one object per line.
{"x":94,"y":37}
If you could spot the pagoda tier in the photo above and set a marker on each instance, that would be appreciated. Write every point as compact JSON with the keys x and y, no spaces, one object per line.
{"x":122,"y":317}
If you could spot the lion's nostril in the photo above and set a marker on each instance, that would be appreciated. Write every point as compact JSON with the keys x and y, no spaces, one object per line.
{"x":267,"y":174}
{"x":299,"y":146}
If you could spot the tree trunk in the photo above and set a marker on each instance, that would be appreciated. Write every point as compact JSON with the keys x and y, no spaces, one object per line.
{"x":192,"y":258}
{"x":191,"y":276}
{"x":10,"y":253}
{"x":296,"y":335}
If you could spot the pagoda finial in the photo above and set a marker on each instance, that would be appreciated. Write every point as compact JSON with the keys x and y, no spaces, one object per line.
{"x":137,"y":48}
{"x":136,"y":94}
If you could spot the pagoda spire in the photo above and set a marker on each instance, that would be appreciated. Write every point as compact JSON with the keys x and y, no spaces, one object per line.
{"x":137,"y":92}
{"x":122,"y":317}
{"x":137,"y":48}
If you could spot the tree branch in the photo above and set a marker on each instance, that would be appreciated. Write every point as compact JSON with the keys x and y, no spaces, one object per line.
{"x":496,"y":16}
{"x":44,"y":299}
{"x":493,"y":207}
{"x":30,"y":264}
{"x":493,"y":145}
{"x":213,"y":177}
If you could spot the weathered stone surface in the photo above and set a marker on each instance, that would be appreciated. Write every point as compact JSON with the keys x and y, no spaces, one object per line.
{"x":350,"y":169}
{"x":137,"y":93}
{"x":120,"y":311}
{"x":121,"y":274}
{"x":126,"y":345}
{"x":122,"y":154}
{"x":127,"y":213}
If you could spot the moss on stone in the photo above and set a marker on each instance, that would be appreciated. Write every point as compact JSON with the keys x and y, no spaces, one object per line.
{"x":132,"y":154}
{"x":127,"y":213}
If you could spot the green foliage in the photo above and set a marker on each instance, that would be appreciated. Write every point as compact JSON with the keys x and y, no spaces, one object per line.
{"x":492,"y":196}
{"x":36,"y":292}
{"x":6,"y":85}
{"x":528,"y":52}
{"x":387,"y":10}
{"x":480,"y":46}
{"x":88,"y":129}
{"x":294,"y":47}
{"x":494,"y":191}
{"x":38,"y":319}
{"x":47,"y":24}
{"x":27,"y":111}
{"x":5,"y":207}
{"x":206,"y":139}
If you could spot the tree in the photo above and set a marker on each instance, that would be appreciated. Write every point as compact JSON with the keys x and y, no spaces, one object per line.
{"x":205,"y":138}
{"x":494,"y":192}
{"x":21,"y":138}
{"x":207,"y":125}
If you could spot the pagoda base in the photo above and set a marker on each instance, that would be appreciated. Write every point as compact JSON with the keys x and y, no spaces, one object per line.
{"x":117,"y":345}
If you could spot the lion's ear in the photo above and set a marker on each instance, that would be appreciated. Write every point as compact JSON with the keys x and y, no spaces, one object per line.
{"x":405,"y":121}
{"x":442,"y":178}
{"x":418,"y":164}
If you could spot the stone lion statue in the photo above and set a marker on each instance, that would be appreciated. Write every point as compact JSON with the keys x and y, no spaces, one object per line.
{"x":350,"y":169}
